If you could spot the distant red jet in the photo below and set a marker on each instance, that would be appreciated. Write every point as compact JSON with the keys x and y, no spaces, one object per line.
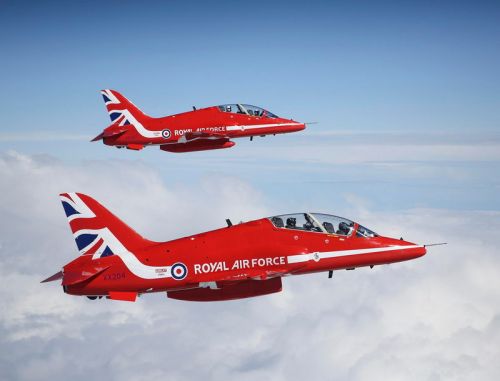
{"x":238,"y":261}
{"x":197,"y":130}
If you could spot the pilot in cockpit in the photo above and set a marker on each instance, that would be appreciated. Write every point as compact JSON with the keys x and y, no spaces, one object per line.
{"x":291,"y":223}
{"x":344,"y":228}
{"x":228,"y":108}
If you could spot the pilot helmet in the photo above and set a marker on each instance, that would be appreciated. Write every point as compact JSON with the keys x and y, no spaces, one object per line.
{"x":344,"y":227}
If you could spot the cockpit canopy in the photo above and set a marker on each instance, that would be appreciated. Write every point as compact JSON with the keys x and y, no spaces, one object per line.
{"x":321,"y":223}
{"x":250,"y":110}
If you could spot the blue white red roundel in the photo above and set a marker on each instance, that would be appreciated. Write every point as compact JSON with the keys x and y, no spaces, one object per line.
{"x":166,"y":134}
{"x":179,"y":271}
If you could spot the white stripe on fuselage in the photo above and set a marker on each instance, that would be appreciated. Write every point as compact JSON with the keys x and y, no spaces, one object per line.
{"x":157,"y":134}
{"x":340,"y":253}
{"x":257,"y":126}
{"x":129,"y":259}
{"x":137,"y":125}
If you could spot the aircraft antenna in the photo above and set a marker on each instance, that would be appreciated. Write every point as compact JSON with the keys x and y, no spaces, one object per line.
{"x":435,"y":244}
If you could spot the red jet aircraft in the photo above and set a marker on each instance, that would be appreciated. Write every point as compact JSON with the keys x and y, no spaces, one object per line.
{"x":238,"y":261}
{"x":197,"y":130}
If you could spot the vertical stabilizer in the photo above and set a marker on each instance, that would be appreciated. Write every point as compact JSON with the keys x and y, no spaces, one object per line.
{"x":121,"y":110}
{"x":96,"y":230}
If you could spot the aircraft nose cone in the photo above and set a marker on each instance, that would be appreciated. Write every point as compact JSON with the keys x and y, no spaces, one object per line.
{"x":416,"y":252}
{"x":297,"y":126}
{"x":421,"y":251}
{"x":408,"y":250}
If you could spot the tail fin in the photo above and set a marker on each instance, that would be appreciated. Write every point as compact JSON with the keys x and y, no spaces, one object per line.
{"x":121,"y":110}
{"x":96,"y":230}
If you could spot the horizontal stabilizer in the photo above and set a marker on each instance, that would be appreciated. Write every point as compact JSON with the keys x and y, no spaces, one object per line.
{"x":111,"y":131}
{"x":114,"y":132}
{"x":98,"y":137}
{"x":74,"y":277}
{"x":54,"y":277}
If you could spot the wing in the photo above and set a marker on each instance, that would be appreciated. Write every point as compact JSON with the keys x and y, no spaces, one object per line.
{"x":200,"y":135}
{"x":228,"y":290}
{"x":198,"y":141}
{"x":256,"y":274}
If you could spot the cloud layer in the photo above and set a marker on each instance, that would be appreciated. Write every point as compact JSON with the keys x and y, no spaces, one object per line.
{"x":436,"y":318}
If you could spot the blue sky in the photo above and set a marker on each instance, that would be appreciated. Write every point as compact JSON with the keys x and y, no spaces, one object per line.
{"x":403,"y":73}
{"x":353,"y":65}
{"x":407,"y":100}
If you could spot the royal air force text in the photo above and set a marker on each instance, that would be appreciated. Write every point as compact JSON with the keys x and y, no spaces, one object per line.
{"x":201,"y":129}
{"x":239,"y":264}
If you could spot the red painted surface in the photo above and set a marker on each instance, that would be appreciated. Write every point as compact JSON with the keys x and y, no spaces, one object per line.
{"x":234,"y":262}
{"x":124,"y":296}
{"x":229,"y":291}
{"x":197,"y":130}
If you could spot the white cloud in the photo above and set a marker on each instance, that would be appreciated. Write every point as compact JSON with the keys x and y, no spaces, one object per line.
{"x":328,"y":151}
{"x":40,"y":136}
{"x":435,"y":318}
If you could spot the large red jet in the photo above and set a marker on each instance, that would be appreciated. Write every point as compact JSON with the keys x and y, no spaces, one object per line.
{"x":198,"y":130}
{"x":237,"y":261}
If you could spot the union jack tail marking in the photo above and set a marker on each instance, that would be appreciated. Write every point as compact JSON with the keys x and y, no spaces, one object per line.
{"x":98,"y":234}
{"x":121,"y":110}
{"x":96,"y":230}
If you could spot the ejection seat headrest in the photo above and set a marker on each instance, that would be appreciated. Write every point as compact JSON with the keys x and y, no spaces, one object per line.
{"x":278,"y":222}
{"x":344,"y":228}
{"x":329,"y":227}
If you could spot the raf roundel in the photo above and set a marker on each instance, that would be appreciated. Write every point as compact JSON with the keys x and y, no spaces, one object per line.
{"x":166,"y":134}
{"x":179,"y":271}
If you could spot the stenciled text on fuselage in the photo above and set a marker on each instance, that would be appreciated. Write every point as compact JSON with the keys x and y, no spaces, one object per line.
{"x":238,"y":264}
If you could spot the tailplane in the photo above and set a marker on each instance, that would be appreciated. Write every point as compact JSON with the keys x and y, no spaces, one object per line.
{"x":56,"y":276}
